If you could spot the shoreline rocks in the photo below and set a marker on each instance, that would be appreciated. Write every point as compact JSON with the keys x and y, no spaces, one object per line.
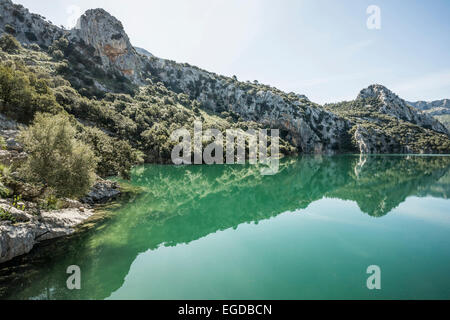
{"x":19,"y":239}
{"x":102,"y":191}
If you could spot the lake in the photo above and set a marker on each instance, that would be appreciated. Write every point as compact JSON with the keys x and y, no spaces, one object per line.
{"x":227,"y":232}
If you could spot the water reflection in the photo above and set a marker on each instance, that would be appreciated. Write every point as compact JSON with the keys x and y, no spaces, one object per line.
{"x":183,"y":204}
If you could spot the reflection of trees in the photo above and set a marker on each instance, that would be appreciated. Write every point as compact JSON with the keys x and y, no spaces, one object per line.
{"x":183,"y":204}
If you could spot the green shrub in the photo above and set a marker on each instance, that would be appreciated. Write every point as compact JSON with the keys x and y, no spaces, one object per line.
{"x":9,"y":44}
{"x":58,"y":54}
{"x":116,"y":157}
{"x":23,"y":94}
{"x":56,"y":159}
{"x":6,"y":216}
{"x":3,"y":144}
{"x":35,"y":47}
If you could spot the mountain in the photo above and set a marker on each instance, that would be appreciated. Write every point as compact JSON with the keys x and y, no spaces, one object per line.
{"x":439,"y":109}
{"x":105,"y":69}
{"x":434,"y":108}
{"x":391,"y":104}
{"x":384,"y":123}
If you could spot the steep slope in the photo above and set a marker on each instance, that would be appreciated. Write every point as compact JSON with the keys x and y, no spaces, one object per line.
{"x":27,"y":27}
{"x":306,"y":125}
{"x":391,"y":104}
{"x":98,"y":29}
{"x":98,"y":59}
{"x":439,"y":109}
{"x":433,"y":108}
{"x":384,"y":123}
{"x":100,"y":51}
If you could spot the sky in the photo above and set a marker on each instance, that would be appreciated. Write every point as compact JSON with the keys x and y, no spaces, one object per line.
{"x":321,"y":48}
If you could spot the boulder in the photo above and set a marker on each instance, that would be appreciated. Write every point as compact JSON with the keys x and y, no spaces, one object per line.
{"x":19,"y":239}
{"x":102,"y":192}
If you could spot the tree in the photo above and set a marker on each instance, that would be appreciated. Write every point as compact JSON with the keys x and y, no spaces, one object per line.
{"x":9,"y":44}
{"x":116,"y":157}
{"x":55,"y":158}
{"x":23,"y":94}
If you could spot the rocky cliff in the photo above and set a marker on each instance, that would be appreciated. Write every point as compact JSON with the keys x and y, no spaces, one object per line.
{"x":392,"y":105}
{"x":27,"y":27}
{"x":98,"y":29}
{"x":103,"y":50}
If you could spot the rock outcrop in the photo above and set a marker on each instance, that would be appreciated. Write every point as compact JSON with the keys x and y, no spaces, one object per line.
{"x":144,"y":52}
{"x":9,"y":130}
{"x":19,"y":239}
{"x":392,"y":105}
{"x":100,"y":30}
{"x":103,"y":191}
{"x":27,"y":27}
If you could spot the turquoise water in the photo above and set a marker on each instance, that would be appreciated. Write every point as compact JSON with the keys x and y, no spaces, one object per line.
{"x":226,"y":232}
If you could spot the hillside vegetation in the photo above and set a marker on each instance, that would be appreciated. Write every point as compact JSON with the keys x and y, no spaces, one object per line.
{"x":120,"y":129}
{"x":394,"y":133}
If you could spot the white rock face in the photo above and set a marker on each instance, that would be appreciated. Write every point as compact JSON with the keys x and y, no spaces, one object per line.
{"x":308,"y":126}
{"x":16,"y":240}
{"x":392,"y":105}
{"x":29,"y":27}
{"x":99,"y":29}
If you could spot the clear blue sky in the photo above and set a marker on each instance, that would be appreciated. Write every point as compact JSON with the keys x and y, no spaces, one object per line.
{"x":321,"y":48}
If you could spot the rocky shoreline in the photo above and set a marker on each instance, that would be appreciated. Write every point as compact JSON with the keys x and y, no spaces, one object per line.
{"x":19,"y":238}
{"x":28,"y":224}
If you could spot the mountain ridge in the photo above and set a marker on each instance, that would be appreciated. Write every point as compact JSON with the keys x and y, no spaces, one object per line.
{"x":439,"y":109}
{"x":100,"y":41}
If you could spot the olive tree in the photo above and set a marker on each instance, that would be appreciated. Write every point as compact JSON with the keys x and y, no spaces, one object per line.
{"x":56,"y":159}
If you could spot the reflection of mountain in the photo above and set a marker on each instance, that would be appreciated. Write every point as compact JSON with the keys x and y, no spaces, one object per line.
{"x":183,"y":204}
{"x":439,"y":189}
{"x":385,"y":182}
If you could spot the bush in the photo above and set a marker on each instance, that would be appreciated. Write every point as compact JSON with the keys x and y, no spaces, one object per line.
{"x":35,"y":47}
{"x":55,"y":158}
{"x":23,"y":95}
{"x":58,"y":54}
{"x":9,"y":44}
{"x":3,"y":144}
{"x":116,"y":157}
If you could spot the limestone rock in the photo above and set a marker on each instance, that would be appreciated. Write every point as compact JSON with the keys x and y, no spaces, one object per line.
{"x":16,"y":240}
{"x":391,"y":104}
{"x":10,"y":137}
{"x":99,"y":29}
{"x":27,"y":27}
{"x":17,"y":214}
{"x":102,"y":192}
{"x":143,"y":52}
